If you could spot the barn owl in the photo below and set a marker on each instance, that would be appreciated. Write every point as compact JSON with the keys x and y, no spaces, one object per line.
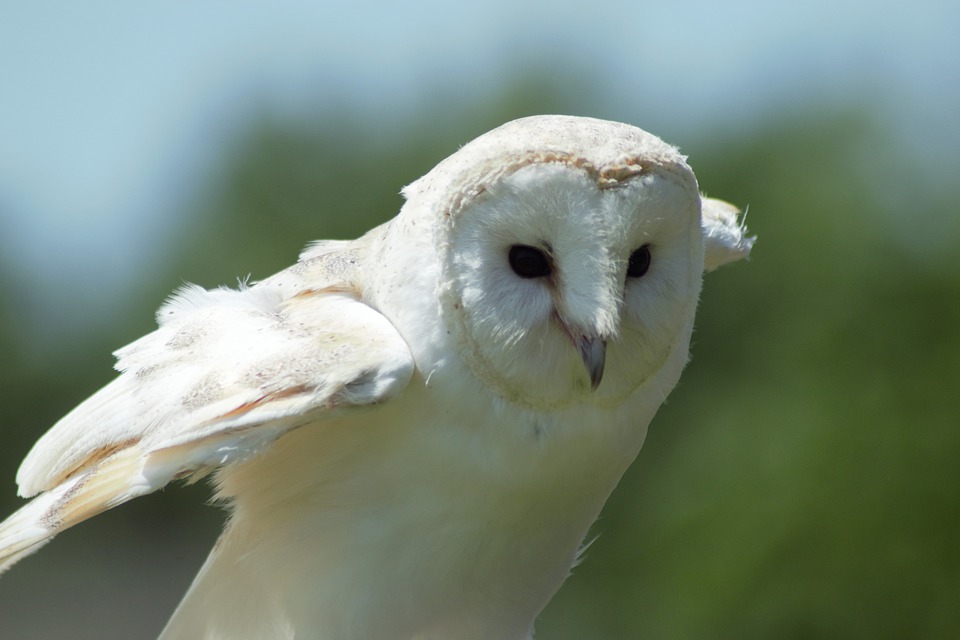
{"x":413,"y":430}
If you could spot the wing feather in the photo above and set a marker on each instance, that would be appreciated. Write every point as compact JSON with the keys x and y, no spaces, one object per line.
{"x":725,"y":236}
{"x":225,"y":374}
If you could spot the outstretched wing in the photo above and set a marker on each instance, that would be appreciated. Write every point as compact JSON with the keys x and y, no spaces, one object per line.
{"x":226,"y":373}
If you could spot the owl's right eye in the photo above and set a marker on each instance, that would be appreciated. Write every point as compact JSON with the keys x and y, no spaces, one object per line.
{"x":529,"y":262}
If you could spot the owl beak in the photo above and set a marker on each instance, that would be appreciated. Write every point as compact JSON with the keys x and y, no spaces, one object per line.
{"x":593,"y":352}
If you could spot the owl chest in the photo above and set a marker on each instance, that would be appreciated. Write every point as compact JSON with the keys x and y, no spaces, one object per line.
{"x":431,"y":523}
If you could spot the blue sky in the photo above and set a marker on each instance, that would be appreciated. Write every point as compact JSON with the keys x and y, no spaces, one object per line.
{"x":107,"y":107}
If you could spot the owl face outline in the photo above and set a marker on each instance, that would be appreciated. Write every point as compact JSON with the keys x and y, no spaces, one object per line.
{"x":566,"y":289}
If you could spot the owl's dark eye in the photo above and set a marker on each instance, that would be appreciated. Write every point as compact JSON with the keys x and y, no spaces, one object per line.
{"x":639,"y":262}
{"x":529,"y":262}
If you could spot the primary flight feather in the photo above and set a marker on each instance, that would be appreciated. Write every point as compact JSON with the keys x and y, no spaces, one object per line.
{"x":415,"y":429}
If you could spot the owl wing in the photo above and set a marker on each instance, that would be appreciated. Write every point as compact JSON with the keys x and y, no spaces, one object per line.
{"x":724,"y":234}
{"x":226,"y":373}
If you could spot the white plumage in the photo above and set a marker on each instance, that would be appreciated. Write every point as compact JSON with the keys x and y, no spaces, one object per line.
{"x":414,"y":430}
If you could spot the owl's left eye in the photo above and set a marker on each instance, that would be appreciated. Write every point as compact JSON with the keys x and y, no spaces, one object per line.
{"x":529,"y":262}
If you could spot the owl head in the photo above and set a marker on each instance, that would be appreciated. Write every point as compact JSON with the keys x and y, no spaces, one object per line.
{"x":570,"y":254}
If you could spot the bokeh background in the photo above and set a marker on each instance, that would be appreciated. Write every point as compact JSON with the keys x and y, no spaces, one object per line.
{"x":802,"y":480}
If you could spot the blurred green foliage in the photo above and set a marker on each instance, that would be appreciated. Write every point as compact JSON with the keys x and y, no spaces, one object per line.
{"x":800,"y":483}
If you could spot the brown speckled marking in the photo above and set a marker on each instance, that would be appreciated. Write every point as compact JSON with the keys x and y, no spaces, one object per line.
{"x":607,"y":177}
{"x":205,"y":391}
{"x":188,"y":335}
{"x":246,"y":407}
{"x":96,"y":457}
{"x":333,"y":288}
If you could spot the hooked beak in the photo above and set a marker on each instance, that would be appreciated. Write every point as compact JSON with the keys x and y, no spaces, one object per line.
{"x":593,"y":352}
